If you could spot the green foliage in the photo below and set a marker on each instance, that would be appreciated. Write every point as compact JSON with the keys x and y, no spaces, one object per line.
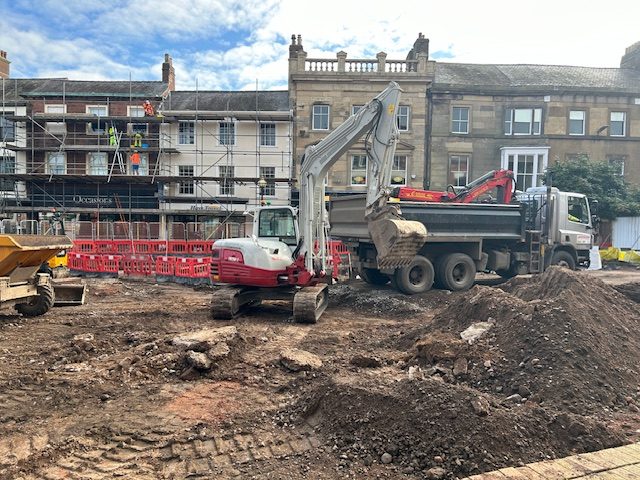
{"x":599,"y":181}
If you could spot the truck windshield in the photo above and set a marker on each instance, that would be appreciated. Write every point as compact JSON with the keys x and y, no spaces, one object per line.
{"x":278,"y":224}
{"x":578,"y":209}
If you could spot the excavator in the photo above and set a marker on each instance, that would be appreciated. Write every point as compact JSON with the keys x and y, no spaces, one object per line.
{"x":502,"y":180}
{"x":287,"y":256}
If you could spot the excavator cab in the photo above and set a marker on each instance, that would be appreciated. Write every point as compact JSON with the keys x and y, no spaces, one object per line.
{"x":277,"y":223}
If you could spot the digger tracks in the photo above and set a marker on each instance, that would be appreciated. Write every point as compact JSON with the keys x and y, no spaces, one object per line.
{"x":309,"y":303}
{"x":225,"y":303}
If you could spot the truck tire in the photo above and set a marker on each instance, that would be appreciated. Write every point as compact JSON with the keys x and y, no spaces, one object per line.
{"x":373,"y":276}
{"x":38,"y":305}
{"x":456,"y":272}
{"x":563,"y":258}
{"x":416,"y":278}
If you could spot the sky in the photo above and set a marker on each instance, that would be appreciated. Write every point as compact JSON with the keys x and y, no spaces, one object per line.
{"x":244,"y":44}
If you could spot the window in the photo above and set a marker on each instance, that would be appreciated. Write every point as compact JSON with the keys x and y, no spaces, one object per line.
{"x":56,"y":163}
{"x":617,"y":127}
{"x":187,"y":187}
{"x":359,"y":170}
{"x":268,"y":134}
{"x":227,"y":133}
{"x":186,"y":133}
{"x":227,"y":187}
{"x":355,"y":109}
{"x":56,"y":127}
{"x":55,"y":109}
{"x":460,"y":120}
{"x":320,"y":120}
{"x":97,"y":163}
{"x":458,"y":170}
{"x":135,"y":111}
{"x":402,"y":118}
{"x":278,"y":223}
{"x":7,"y":128}
{"x":7,"y":165}
{"x":576,"y":122}
{"x":617,"y":161}
{"x":97,"y":110}
{"x":141,"y":128}
{"x":527,"y":164}
{"x":523,"y":121}
{"x":578,"y":209}
{"x":268,"y":173}
{"x":399,"y":170}
{"x":143,"y":167}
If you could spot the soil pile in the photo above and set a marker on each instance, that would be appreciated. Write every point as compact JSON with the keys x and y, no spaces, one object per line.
{"x":630,"y":290}
{"x":425,"y":424}
{"x":561,"y":338}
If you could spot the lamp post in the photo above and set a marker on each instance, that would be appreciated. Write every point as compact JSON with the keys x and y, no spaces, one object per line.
{"x":262,"y":184}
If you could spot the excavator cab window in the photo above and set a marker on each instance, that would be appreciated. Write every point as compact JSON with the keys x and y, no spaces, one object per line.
{"x":278,"y":223}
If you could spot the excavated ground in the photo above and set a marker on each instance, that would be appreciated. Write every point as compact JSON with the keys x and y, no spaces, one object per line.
{"x":385,"y":386}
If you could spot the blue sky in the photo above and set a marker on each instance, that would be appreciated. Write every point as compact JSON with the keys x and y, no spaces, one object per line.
{"x":232,"y":44}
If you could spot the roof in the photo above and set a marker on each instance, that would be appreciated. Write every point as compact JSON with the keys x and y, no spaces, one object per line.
{"x":451,"y":76}
{"x":221,"y":101}
{"x":17,"y":89}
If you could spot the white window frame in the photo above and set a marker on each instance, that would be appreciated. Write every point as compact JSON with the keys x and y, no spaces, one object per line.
{"x":132,"y":128}
{"x":575,"y":113}
{"x":624,"y":124}
{"x":91,"y":167}
{"x":106,"y":110}
{"x":320,"y":115}
{"x":404,"y":112}
{"x":187,"y":187}
{"x":55,"y":171}
{"x":362,"y":171}
{"x":268,"y":173}
{"x":461,"y":122}
{"x":511,"y":118}
{"x":7,"y":125}
{"x":189,"y":136}
{"x":227,"y":136}
{"x":540,"y":161}
{"x":135,"y":108}
{"x":227,"y":188}
{"x":54,"y":106}
{"x":395,"y":171}
{"x":458,"y":157}
{"x":268,"y":139}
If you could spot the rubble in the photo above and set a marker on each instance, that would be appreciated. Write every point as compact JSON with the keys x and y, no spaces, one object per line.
{"x":296,"y":360}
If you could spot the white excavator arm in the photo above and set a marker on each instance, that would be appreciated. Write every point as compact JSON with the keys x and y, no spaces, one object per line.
{"x":378,"y":118}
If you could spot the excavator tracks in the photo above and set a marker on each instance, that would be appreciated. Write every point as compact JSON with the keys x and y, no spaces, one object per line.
{"x":227,"y":302}
{"x":309,"y":303}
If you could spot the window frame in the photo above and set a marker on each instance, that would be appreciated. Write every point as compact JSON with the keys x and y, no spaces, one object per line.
{"x":584,"y":123}
{"x":272,"y":136}
{"x":62,"y":105}
{"x":268,"y":173}
{"x":624,"y":123}
{"x":90,"y":166}
{"x":510,"y":119}
{"x":315,"y":115}
{"x":48,"y":169}
{"x":620,"y":160}
{"x":137,"y":108}
{"x":189,"y":137}
{"x":540,"y":162}
{"x":406,"y":115}
{"x":466,"y":122}
{"x":7,"y":125}
{"x":7,"y":161}
{"x":227,"y":135}
{"x":364,"y":170}
{"x":227,"y":188}
{"x":450,"y":171}
{"x":186,"y":187}
{"x":89,"y":107}
{"x":396,"y":170}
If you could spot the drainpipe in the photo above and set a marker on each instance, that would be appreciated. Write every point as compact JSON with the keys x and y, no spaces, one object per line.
{"x":426,"y":182}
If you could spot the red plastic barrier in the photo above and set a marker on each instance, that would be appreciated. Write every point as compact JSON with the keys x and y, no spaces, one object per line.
{"x":111,"y":263}
{"x":165,"y":266}
{"x":201,"y":267}
{"x":184,"y":267}
{"x":138,"y":265}
{"x":93,"y":263}
{"x":75,"y":261}
{"x":199,"y":246}
{"x":177,"y":247}
{"x":159,"y":247}
{"x":142,"y":247}
{"x":84,"y":246}
{"x":122,"y":247}
{"x":104,"y":246}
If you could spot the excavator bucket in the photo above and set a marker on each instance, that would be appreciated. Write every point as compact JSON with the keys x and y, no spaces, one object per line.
{"x":397,"y":240}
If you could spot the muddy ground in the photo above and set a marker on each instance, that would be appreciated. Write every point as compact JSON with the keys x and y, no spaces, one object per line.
{"x":140,"y":383}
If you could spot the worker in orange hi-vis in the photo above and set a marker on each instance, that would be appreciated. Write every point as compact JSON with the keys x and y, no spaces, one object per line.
{"x":148,"y":108}
{"x":135,"y":162}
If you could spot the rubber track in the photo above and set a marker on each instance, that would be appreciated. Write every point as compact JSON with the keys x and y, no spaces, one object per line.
{"x":309,"y":303}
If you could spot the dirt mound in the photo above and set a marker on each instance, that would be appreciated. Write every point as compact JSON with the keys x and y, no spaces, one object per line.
{"x":561,"y":338}
{"x":424,"y":424}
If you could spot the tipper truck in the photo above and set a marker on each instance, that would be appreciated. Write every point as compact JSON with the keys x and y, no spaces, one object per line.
{"x":544,"y":227}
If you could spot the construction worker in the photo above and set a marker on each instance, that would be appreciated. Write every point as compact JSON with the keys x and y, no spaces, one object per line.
{"x":148,"y":108}
{"x":135,"y":162}
{"x":137,"y":139}
{"x":113,"y":136}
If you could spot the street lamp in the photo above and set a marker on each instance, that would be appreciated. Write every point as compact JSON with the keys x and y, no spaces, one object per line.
{"x":262,"y":184}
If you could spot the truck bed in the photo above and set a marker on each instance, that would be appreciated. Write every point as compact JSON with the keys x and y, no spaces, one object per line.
{"x":445,"y":222}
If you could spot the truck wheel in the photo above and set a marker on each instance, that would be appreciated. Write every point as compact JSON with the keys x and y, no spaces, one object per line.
{"x":38,"y":305}
{"x":416,"y":278}
{"x":373,"y":276}
{"x":457,"y":271}
{"x":562,"y":258}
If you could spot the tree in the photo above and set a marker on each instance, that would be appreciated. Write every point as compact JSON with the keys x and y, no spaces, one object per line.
{"x":599,"y":181}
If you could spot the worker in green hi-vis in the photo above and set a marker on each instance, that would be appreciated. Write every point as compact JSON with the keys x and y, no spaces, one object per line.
{"x":137,"y":139}
{"x":113,"y":136}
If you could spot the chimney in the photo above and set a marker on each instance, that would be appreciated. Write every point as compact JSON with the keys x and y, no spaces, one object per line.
{"x":4,"y":65}
{"x":421,"y":45}
{"x":168,"y":73}
{"x":631,"y":57}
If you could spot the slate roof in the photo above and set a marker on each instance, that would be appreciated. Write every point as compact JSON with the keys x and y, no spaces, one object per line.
{"x":16,"y":89}
{"x":220,"y":101}
{"x":453,"y":76}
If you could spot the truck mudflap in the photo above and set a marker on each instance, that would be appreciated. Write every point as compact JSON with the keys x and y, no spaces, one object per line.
{"x":397,"y":240}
